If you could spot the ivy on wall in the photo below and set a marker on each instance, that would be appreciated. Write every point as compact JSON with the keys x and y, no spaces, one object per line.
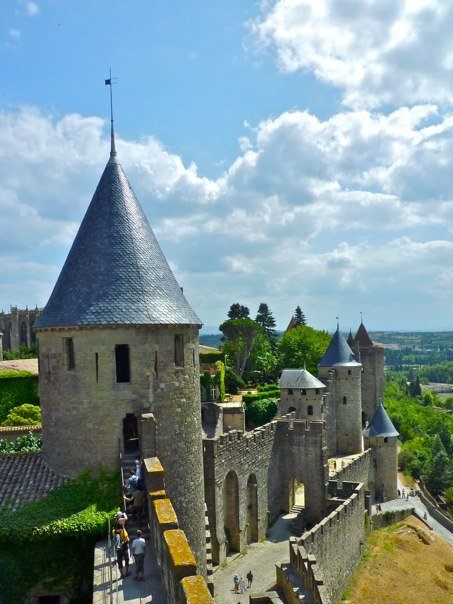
{"x":210,"y":380}
{"x":50,"y":542}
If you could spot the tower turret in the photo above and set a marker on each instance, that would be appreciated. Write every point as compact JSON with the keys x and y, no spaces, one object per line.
{"x":382,"y":437}
{"x":371,"y":357}
{"x":345,"y":396}
{"x":302,"y":394}
{"x":118,"y":339}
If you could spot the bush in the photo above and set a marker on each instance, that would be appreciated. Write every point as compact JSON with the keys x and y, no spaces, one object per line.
{"x":260,"y":411}
{"x":24,"y":415}
{"x":249,"y":398}
{"x":17,"y":388}
{"x":267,"y":387}
{"x":233,"y":382}
{"x":23,"y":444}
{"x":209,"y":358}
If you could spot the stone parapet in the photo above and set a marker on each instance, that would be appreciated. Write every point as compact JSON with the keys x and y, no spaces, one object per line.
{"x":327,"y":555}
{"x":174,"y":554}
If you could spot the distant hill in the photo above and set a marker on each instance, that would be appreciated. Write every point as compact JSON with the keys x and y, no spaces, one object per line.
{"x":211,"y":339}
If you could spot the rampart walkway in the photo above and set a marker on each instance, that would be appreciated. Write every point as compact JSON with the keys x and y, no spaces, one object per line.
{"x":261,"y":559}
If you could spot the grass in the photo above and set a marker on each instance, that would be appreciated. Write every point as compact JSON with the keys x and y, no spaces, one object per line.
{"x":403,"y":563}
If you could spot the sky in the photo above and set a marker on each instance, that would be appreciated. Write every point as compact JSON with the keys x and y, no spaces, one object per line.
{"x":297,"y":152}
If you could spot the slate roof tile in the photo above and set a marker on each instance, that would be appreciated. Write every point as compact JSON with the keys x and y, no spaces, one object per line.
{"x":116,"y":272}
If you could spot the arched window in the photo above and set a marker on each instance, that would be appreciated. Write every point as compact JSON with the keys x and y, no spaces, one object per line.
{"x":292,"y":410}
{"x":344,"y":400}
{"x":310,"y":410}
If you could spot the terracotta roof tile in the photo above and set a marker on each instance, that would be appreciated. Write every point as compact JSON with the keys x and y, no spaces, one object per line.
{"x":25,"y":477}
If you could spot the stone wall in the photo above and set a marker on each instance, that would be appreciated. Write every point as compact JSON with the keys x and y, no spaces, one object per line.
{"x":330,"y":416}
{"x":389,"y":517}
{"x":299,"y":401}
{"x":249,"y":479}
{"x":358,"y":470}
{"x":385,"y":467}
{"x":245,"y":458}
{"x":331,"y":550}
{"x":88,"y":395}
{"x":175,"y":557}
{"x":372,"y":359}
{"x":10,"y":433}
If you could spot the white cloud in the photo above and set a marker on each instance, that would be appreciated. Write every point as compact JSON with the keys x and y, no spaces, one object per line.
{"x":336,"y":214}
{"x":31,"y":8}
{"x":376,"y":51}
{"x":14,"y":33}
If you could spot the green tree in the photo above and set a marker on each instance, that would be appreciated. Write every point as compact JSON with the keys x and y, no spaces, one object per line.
{"x":240,"y":337}
{"x":415,"y":388}
{"x":438,"y":468}
{"x":263,"y":360}
{"x":23,"y":415}
{"x":299,"y":316}
{"x":265,"y":318}
{"x":238,"y":311}
{"x":302,"y":346}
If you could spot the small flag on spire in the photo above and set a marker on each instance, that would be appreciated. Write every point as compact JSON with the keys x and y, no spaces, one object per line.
{"x":108,"y":82}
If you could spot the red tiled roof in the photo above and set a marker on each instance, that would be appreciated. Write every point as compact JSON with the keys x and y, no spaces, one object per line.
{"x":292,"y":324}
{"x":25,"y":477}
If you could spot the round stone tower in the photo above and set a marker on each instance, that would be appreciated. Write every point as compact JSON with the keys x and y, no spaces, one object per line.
{"x":302,"y":394}
{"x":382,"y":437}
{"x":371,"y":358}
{"x":345,"y":394}
{"x":117,"y":339}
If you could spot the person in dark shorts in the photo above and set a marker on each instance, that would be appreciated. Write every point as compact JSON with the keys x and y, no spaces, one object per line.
{"x":121,"y":545}
{"x":249,"y":576}
{"x":139,"y":551}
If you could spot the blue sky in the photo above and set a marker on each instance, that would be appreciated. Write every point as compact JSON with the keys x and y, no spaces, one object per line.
{"x":293,"y":152}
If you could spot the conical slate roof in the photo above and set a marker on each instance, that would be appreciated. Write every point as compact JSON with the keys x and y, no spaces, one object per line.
{"x":362,"y":337}
{"x":116,"y":273}
{"x":299,"y":378}
{"x":350,"y":339}
{"x":338,"y":352}
{"x":380,"y":425}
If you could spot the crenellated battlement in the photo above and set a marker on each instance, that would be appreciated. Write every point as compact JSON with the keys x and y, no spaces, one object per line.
{"x":328,"y":554}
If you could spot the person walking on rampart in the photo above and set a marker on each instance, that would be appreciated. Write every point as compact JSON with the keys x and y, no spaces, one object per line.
{"x":236,"y":584}
{"x":249,"y":576}
{"x":131,"y":482}
{"x":242,"y":587}
{"x":136,"y":500}
{"x":121,"y":545}
{"x":120,"y":519}
{"x":139,"y":551}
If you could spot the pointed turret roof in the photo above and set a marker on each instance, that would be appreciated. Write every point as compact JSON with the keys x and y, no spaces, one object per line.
{"x":299,"y":378}
{"x":361,"y":337}
{"x":115,"y":272}
{"x":381,"y":424}
{"x":338,"y":352}
{"x":350,"y":339}
{"x":292,"y":324}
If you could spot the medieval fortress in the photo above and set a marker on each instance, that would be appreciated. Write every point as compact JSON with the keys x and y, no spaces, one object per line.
{"x":119,"y":371}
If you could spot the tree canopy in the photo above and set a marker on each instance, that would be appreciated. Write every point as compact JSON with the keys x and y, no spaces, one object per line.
{"x":299,"y":316}
{"x":265,"y":318}
{"x":238,"y":311}
{"x":240,"y":335}
{"x":303,"y":346}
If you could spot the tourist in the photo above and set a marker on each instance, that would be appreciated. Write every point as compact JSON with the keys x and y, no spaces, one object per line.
{"x":138,"y":468}
{"x":404,"y":493}
{"x":136,"y":500}
{"x":399,"y":493}
{"x":121,"y":545}
{"x":236,"y":584}
{"x":120,"y":519}
{"x":242,"y":587}
{"x":131,"y":482}
{"x":249,"y":576}
{"x":139,"y":551}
